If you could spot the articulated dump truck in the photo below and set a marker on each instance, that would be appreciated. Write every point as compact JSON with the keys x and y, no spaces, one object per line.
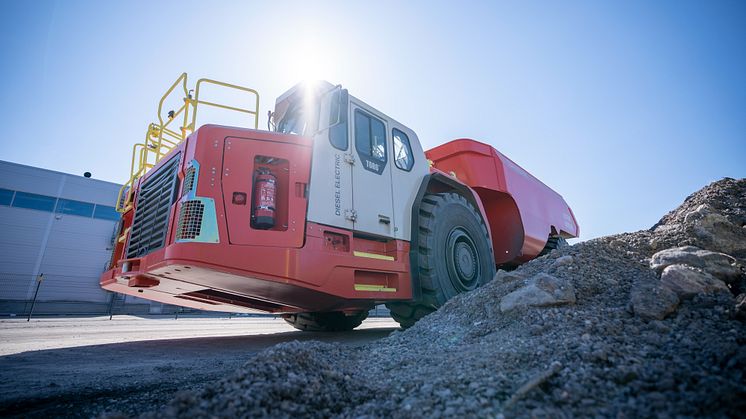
{"x":335,"y":208}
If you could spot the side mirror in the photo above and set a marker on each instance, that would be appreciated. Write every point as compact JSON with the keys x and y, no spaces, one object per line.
{"x":344,"y":104}
{"x":336,"y":102}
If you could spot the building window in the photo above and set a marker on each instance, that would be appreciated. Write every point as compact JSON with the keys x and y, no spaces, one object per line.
{"x":104,"y":212}
{"x":66,"y":206}
{"x":370,"y":141}
{"x":402,"y":151}
{"x":6,"y":196}
{"x":60,"y":206}
{"x":34,"y":201}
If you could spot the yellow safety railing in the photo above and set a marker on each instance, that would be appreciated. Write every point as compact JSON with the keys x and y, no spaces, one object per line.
{"x":162,"y":137}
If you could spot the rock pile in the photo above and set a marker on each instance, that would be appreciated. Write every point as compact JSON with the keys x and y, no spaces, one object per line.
{"x":639,"y":324}
{"x":712,"y":218}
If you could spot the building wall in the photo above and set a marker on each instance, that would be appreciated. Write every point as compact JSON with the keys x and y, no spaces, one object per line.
{"x":59,"y":226}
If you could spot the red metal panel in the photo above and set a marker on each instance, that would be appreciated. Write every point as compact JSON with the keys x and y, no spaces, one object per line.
{"x":313,"y":268}
{"x":316,"y":277}
{"x":238,"y":170}
{"x":491,"y":174}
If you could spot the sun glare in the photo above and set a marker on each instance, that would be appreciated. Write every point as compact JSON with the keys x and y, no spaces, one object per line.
{"x":312,"y":62}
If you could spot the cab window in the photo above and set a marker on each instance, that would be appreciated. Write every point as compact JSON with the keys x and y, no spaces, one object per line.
{"x":370,"y":141}
{"x":402,"y":151}
{"x":337,"y":122}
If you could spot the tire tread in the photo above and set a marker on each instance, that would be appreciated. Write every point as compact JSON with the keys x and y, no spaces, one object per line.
{"x":333,"y":321}
{"x":432,"y":296}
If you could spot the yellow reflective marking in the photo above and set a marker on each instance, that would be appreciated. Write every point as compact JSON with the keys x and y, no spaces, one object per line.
{"x":372,"y":255}
{"x":375,"y":288}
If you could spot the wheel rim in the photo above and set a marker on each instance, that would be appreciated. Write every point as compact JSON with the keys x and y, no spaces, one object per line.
{"x":462,"y":260}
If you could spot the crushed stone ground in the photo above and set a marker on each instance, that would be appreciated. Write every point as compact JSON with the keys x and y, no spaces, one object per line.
{"x":591,"y":358}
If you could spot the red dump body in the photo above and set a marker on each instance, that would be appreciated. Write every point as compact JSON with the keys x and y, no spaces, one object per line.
{"x":522,"y":211}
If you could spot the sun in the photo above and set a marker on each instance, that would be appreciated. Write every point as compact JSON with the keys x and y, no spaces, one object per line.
{"x":312,"y":61}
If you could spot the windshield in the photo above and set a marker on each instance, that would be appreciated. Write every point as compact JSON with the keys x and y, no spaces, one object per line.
{"x":293,"y":122}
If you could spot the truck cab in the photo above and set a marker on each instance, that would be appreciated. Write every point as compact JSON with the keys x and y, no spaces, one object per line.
{"x":368,"y":166}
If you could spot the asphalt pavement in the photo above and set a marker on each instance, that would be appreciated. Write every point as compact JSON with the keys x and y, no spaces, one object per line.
{"x":79,"y":366}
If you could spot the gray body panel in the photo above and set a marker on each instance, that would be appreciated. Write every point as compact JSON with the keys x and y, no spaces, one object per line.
{"x":340,"y":186}
{"x":372,"y":197}
{"x":330,"y":188}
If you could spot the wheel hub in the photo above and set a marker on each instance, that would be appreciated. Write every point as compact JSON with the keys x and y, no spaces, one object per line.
{"x":462,"y":260}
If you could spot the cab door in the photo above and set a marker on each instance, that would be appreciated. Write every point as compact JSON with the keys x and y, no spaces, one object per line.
{"x":371,"y":174}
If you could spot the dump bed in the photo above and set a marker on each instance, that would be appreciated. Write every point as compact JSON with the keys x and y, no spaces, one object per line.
{"x":521,"y":210}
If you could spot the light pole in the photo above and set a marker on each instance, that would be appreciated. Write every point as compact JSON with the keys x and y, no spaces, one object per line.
{"x":33,"y":303}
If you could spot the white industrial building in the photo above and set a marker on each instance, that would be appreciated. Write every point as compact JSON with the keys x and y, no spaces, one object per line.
{"x":57,"y":227}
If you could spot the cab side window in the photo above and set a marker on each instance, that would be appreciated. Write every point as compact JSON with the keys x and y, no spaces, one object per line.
{"x":402,"y":151}
{"x":370,"y":141}
{"x":338,"y":120}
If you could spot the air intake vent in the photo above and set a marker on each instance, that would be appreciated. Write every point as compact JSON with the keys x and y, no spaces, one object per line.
{"x":153,"y":204}
{"x":190,"y":220}
{"x":188,"y":180}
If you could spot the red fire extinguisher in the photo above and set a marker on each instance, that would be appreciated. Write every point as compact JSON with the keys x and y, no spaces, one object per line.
{"x":265,"y":191}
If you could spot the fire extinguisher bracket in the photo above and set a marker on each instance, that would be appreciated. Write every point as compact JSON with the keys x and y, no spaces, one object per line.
{"x":263,"y":205}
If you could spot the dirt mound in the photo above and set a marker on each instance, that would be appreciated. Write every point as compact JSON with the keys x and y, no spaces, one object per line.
{"x":712,"y":218}
{"x":587,"y":330}
{"x":726,"y":196}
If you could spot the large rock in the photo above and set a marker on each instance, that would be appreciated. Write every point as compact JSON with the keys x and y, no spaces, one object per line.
{"x":562,"y":261}
{"x":716,"y":230}
{"x":717,"y":264}
{"x":505,"y":277}
{"x":712,"y":218}
{"x":652,"y":301}
{"x":541,"y":290}
{"x":687,"y":282}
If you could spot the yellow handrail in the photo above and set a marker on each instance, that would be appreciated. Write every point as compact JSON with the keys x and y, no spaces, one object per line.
{"x":160,"y":139}
{"x":254,"y":112}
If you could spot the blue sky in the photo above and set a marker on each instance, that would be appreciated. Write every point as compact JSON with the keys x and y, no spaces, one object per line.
{"x":623,"y":107}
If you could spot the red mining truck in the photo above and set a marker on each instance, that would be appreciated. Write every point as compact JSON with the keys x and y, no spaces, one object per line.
{"x":332,"y":210}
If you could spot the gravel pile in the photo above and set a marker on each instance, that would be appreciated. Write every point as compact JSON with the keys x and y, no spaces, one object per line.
{"x":607,"y":327}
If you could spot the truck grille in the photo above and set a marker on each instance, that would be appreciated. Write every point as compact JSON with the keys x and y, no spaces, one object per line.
{"x":153,"y":204}
{"x":188,"y":180}
{"x":190,"y":220}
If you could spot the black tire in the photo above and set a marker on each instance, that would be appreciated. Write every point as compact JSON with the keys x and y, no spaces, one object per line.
{"x":455,"y":255}
{"x":554,"y":242}
{"x":333,"y":321}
